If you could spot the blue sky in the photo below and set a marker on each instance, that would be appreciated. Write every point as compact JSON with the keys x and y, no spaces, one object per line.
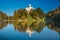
{"x":8,"y":6}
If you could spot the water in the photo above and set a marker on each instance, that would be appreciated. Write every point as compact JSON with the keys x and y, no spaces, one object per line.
{"x":28,"y":31}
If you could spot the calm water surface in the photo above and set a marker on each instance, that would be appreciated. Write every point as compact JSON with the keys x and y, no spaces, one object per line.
{"x":28,"y":31}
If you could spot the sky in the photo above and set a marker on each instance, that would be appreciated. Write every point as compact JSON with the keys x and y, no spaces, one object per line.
{"x":8,"y":6}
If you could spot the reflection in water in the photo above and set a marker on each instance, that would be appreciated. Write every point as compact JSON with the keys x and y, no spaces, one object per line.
{"x":30,"y":28}
{"x":25,"y":27}
{"x":3,"y":24}
{"x":54,"y":26}
{"x":20,"y":26}
{"x":34,"y":27}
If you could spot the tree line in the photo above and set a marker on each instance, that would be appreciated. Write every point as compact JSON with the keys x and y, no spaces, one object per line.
{"x":33,"y":14}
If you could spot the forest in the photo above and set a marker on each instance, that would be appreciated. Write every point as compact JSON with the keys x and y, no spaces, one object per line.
{"x":35,"y":15}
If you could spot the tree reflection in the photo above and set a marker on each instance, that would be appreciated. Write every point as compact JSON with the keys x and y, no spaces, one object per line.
{"x":3,"y":24}
{"x":54,"y":26}
{"x":20,"y":26}
{"x":30,"y":28}
{"x":37,"y":26}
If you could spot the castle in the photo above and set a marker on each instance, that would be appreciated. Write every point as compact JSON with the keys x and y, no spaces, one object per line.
{"x":29,"y":8}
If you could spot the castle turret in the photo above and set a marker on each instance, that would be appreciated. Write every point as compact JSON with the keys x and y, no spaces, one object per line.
{"x":29,"y":8}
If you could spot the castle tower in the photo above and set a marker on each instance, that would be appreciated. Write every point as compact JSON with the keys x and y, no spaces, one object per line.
{"x":29,"y":8}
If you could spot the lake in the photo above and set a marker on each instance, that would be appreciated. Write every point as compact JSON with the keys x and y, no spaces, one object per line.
{"x":29,"y":31}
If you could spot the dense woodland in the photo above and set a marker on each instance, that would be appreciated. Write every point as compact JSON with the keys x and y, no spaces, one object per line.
{"x":36,"y":14}
{"x":23,"y":14}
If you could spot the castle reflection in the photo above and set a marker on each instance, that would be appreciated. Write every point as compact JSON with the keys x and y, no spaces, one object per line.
{"x":32,"y":27}
{"x":28,"y":28}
